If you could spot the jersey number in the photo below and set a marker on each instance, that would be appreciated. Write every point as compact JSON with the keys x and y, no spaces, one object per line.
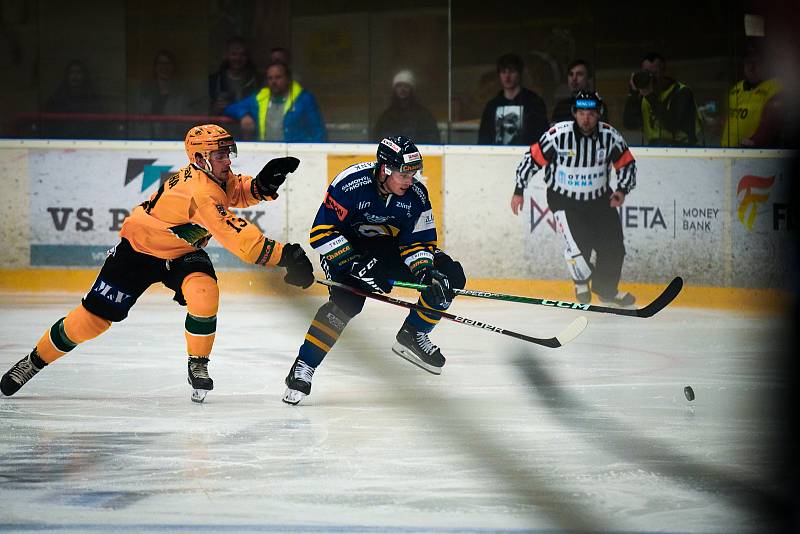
{"x":237,"y":224}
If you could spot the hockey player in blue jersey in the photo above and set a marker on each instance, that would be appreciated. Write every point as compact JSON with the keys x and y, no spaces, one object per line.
{"x":376,"y":224}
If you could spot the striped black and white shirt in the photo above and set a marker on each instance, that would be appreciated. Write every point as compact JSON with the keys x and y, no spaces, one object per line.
{"x":576,"y":165}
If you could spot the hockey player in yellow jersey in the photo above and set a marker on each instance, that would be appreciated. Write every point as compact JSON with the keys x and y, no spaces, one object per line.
{"x":162,"y":241}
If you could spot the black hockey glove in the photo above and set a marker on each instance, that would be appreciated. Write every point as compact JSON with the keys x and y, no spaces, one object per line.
{"x":438,"y":293}
{"x":369,"y":275}
{"x":299,"y":271}
{"x":274,"y":174}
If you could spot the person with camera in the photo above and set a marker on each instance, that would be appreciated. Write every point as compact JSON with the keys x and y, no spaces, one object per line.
{"x":662,"y":107}
{"x":577,"y":157}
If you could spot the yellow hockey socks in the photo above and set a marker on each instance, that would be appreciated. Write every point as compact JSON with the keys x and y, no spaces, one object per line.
{"x":202,"y":302}
{"x":68,"y":332}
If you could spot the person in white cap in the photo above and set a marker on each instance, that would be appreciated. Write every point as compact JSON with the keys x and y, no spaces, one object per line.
{"x":405,"y":115}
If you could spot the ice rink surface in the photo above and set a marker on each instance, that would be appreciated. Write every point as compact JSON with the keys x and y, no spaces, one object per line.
{"x":594,"y":436}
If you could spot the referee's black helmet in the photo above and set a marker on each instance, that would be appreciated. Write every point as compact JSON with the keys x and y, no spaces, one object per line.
{"x":587,"y":100}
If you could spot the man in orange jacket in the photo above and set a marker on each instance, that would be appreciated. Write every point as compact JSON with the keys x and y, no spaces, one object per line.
{"x":162,"y":241}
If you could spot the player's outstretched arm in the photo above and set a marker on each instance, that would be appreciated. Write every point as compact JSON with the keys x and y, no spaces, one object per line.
{"x":272,"y":176}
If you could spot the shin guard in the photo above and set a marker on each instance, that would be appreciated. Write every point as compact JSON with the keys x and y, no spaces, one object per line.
{"x":577,"y":262}
{"x":68,"y":332}
{"x":202,"y":302}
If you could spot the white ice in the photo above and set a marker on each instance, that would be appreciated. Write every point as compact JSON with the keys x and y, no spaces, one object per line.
{"x":596,"y":435}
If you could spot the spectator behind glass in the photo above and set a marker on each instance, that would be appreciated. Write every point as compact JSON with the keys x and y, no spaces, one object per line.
{"x":516,"y":116}
{"x":164,"y":95}
{"x":662,"y":107}
{"x":579,"y":75}
{"x":282,"y":111}
{"x":74,"y":94}
{"x":280,"y":55}
{"x":754,"y":106}
{"x":236,"y":78}
{"x":405,"y":115}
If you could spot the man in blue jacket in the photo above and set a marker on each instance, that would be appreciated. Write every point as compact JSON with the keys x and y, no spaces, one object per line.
{"x":282,"y":111}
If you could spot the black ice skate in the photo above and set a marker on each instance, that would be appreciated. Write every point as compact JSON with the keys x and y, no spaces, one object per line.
{"x":20,"y":373}
{"x":198,"y":378}
{"x":582,"y":293}
{"x":623,"y":299}
{"x":416,"y":347}
{"x":298,"y":382}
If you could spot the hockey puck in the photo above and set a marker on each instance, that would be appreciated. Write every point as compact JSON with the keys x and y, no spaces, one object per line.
{"x":689,"y":392}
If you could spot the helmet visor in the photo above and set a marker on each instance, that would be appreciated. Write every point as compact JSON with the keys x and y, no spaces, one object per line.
{"x":228,"y":146}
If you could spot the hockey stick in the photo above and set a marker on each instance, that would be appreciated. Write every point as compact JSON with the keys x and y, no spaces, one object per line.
{"x":568,"y":334}
{"x":660,"y":302}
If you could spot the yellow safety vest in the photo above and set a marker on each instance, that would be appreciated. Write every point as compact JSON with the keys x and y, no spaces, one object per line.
{"x":654,"y":131}
{"x":263,"y":105}
{"x":744,"y":110}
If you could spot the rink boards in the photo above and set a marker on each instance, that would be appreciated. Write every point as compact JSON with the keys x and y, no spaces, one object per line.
{"x":719,"y":218}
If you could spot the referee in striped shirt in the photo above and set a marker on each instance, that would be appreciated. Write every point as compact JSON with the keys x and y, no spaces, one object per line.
{"x":577,"y":157}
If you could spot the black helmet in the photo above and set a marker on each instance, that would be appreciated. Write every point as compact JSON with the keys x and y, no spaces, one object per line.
{"x":587,"y":100}
{"x":400,"y":154}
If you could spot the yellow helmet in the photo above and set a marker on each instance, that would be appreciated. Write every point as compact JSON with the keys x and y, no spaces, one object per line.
{"x":207,"y":138}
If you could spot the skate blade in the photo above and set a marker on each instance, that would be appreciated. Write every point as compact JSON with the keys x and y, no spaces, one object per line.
{"x":199,"y":395}
{"x":293,"y":397}
{"x":403,"y":352}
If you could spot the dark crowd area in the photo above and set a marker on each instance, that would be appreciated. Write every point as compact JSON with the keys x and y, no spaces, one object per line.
{"x":718,"y":75}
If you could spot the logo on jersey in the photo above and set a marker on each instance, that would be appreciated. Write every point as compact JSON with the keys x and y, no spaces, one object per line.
{"x":578,"y":180}
{"x":358,"y":182}
{"x":418,"y":190}
{"x":376,"y":218}
{"x":425,"y":222}
{"x":194,"y":234}
{"x":338,"y":209}
{"x":375,"y":230}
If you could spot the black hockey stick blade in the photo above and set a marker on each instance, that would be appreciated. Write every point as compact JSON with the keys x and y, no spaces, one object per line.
{"x":572,"y":330}
{"x":666,"y":296}
{"x":661,"y":301}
